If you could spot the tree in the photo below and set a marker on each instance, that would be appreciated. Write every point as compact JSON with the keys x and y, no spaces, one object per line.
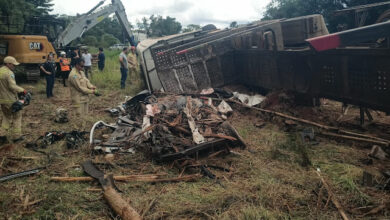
{"x":108,"y":40}
{"x":13,"y":15}
{"x":233,"y":24}
{"x":157,"y":26}
{"x":294,"y":8}
{"x":108,"y":25}
{"x":90,"y":41}
{"x":191,"y":27}
{"x":19,"y":16}
{"x":143,"y":25}
{"x":42,"y":7}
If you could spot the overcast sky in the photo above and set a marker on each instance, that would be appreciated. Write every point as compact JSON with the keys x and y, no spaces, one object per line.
{"x":218,"y":12}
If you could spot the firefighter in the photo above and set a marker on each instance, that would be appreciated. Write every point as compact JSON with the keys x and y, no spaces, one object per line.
{"x":11,"y":126}
{"x":65,"y":67}
{"x":80,"y":88}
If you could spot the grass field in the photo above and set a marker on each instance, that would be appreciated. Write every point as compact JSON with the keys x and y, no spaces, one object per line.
{"x":110,"y":77}
{"x":273,"y":179}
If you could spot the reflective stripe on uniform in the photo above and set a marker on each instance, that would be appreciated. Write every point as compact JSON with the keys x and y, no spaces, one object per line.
{"x":64,"y":64}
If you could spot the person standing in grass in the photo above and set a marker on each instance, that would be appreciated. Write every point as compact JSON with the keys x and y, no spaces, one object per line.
{"x":65,"y":67}
{"x":49,"y":68}
{"x":123,"y":66}
{"x":80,"y":88}
{"x":133,"y":64}
{"x":73,"y":56}
{"x":88,"y":63}
{"x":102,"y":59}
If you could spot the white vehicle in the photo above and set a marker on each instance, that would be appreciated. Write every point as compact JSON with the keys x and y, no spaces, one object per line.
{"x":118,"y":46}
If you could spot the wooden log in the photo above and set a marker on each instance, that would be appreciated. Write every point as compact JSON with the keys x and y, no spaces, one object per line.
{"x":114,"y":199}
{"x":333,"y":197}
{"x":117,"y":178}
{"x":23,"y":158}
{"x":220,"y":136}
{"x":363,"y":135}
{"x":187,"y":178}
{"x":234,"y":132}
{"x":135,"y":178}
{"x":119,"y":205}
{"x":375,"y":210}
{"x":354,"y":138}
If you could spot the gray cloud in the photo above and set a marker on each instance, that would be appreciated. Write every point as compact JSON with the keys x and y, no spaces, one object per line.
{"x":177,"y":6}
{"x":204,"y":17}
{"x":218,"y":12}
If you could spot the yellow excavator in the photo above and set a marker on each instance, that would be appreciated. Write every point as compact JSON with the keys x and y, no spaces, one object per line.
{"x":32,"y":50}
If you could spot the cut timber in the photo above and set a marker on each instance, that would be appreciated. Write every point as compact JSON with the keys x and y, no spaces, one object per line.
{"x":220,"y":136}
{"x":114,"y":199}
{"x":135,"y":178}
{"x":354,"y":138}
{"x":120,"y":206}
{"x":234,"y":132}
{"x":117,"y":178}
{"x":333,"y":197}
{"x":376,"y":210}
{"x":179,"y":179}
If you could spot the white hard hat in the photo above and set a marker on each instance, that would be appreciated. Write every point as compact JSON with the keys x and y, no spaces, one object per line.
{"x":62,"y":53}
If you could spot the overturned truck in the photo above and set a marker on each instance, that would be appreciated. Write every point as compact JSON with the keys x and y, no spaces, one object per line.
{"x":294,"y":54}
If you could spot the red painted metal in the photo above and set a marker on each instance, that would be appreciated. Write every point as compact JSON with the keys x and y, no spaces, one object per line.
{"x":326,"y":42}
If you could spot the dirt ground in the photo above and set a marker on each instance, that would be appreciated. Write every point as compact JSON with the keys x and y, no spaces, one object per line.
{"x":274,"y":178}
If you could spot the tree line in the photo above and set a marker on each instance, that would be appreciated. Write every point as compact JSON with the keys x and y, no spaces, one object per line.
{"x":277,"y":9}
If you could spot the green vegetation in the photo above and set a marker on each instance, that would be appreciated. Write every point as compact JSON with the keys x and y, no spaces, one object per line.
{"x":110,"y":77}
{"x":157,"y":26}
{"x":105,"y":34}
{"x":294,"y":8}
{"x":233,"y":24}
{"x":32,"y":17}
{"x":191,"y":27}
{"x":18,"y":15}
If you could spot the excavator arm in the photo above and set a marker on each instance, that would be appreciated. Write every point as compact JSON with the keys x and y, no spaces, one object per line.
{"x":88,"y":20}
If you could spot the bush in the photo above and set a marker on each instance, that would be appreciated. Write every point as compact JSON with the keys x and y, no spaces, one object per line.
{"x":90,"y":41}
{"x":108,"y":40}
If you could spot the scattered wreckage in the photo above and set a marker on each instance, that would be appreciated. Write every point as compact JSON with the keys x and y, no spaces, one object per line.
{"x":169,"y":127}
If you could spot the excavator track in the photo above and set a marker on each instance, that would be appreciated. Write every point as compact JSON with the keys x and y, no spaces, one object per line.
{"x":28,"y":72}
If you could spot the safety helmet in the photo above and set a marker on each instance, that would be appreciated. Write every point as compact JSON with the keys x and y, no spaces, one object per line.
{"x":11,"y":60}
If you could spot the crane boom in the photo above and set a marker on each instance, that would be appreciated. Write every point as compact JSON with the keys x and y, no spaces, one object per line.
{"x":88,"y":20}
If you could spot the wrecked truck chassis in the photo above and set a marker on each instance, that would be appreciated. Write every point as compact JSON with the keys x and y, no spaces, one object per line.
{"x":358,"y":76}
{"x":276,"y":54}
{"x":353,"y":76}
